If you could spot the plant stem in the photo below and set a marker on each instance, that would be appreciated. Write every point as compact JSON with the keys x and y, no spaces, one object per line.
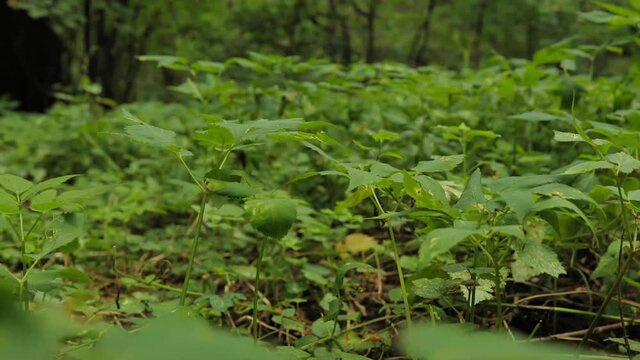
{"x":202,"y":188}
{"x":256,"y":285}
{"x":23,"y":250}
{"x":194,"y":249}
{"x":606,"y":300}
{"x":396,"y":258}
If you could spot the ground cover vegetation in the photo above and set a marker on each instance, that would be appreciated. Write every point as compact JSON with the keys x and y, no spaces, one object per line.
{"x":290,"y":208}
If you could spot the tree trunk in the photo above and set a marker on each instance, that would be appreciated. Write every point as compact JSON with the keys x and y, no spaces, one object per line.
{"x":476,"y":36}
{"x":421,"y":37}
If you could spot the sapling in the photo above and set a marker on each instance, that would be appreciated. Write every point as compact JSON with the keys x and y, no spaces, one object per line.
{"x":273,"y":218}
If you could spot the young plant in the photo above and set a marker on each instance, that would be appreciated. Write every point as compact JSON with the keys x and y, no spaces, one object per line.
{"x":273,"y":218}
{"x":33,"y":212}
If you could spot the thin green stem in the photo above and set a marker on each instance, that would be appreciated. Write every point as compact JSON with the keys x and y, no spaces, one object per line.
{"x":256,"y":285}
{"x":396,"y":258}
{"x":194,"y":249}
{"x":606,"y":300}
{"x":195,"y":180}
{"x":23,"y":250}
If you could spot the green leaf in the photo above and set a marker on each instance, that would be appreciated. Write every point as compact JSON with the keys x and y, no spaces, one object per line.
{"x":608,"y":263}
{"x":432,"y":289}
{"x":619,"y":10}
{"x":563,"y":191}
{"x":71,"y":200}
{"x":272,"y":217}
{"x":322,"y":328}
{"x":462,"y":342}
{"x":361,"y":178}
{"x":624,"y":162}
{"x":63,"y":236}
{"x":151,"y":135}
{"x":6,"y":273}
{"x":216,"y":135}
{"x":45,"y":201}
{"x":556,"y":202}
{"x":167,"y":61}
{"x":47,"y":184}
{"x":434,"y":188}
{"x":540,"y":257}
{"x":472,"y":194}
{"x":535,"y":116}
{"x":384,"y":135}
{"x":176,"y":336}
{"x":520,"y":201}
{"x":8,"y":204}
{"x":440,"y":164}
{"x":561,"y":136}
{"x":509,"y":230}
{"x":439,"y":241}
{"x":15,"y":184}
{"x":588,"y":166}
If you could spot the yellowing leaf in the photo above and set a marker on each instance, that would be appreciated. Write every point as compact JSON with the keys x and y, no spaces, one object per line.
{"x":358,"y":242}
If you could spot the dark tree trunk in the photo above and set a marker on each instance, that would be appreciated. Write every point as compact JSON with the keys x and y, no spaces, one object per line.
{"x":369,"y":16}
{"x":421,"y":37}
{"x":30,"y":61}
{"x":345,"y":38}
{"x":532,"y":33}
{"x":476,"y":37}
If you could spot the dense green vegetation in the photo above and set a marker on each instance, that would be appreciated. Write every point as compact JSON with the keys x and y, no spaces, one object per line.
{"x":331,"y":211}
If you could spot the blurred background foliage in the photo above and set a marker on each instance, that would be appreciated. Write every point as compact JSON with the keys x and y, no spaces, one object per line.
{"x":73,"y":44}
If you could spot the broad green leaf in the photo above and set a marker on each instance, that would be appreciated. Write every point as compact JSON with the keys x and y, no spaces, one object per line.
{"x":634,"y":195}
{"x":472,"y":193}
{"x":47,"y":184}
{"x":556,"y":202}
{"x":440,"y":164}
{"x":272,"y":217}
{"x":176,"y":336}
{"x":434,"y":188}
{"x":166,"y":61}
{"x":624,"y":162}
{"x":634,"y":345}
{"x":322,"y":328}
{"x":45,"y":201}
{"x":510,"y":183}
{"x":439,"y":241}
{"x":208,"y":66}
{"x":462,"y":342}
{"x":608,"y":263}
{"x":231,"y":183}
{"x":216,"y":135}
{"x":599,"y":17}
{"x":588,"y":166}
{"x":72,"y":200}
{"x":563,"y":191}
{"x":540,"y":257}
{"x":509,"y":230}
{"x":8,"y":204}
{"x":63,"y":236}
{"x":5,"y":273}
{"x":384,"y":135}
{"x":151,"y":135}
{"x":535,"y":116}
{"x":561,"y":136}
{"x":620,"y":10}
{"x":359,"y":177}
{"x":432,"y":289}
{"x":15,"y":184}
{"x":520,"y":201}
